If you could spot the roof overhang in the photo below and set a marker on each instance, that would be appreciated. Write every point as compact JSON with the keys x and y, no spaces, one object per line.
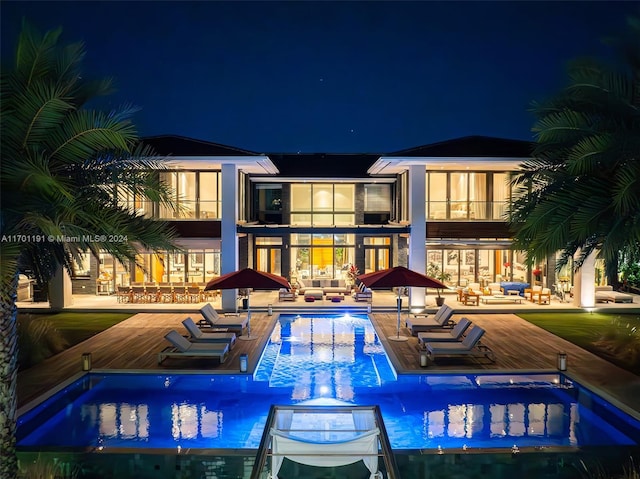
{"x":279,"y":179}
{"x":396,"y":165}
{"x":259,"y":164}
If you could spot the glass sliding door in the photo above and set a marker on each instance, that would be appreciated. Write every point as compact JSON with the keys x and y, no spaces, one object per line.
{"x":269,"y":255}
{"x":377,"y":253}
{"x":321,"y":255}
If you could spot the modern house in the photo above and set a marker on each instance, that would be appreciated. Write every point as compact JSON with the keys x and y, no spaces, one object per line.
{"x":311,"y":216}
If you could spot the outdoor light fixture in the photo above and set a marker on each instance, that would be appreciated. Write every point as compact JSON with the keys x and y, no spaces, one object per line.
{"x":244,"y":359}
{"x":562,"y":361}
{"x":424,"y":359}
{"x":270,"y":310}
{"x":368,"y":307}
{"x":86,"y":361}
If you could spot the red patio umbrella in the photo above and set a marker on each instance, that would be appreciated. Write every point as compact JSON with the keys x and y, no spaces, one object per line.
{"x":248,"y":278}
{"x":398,"y":277}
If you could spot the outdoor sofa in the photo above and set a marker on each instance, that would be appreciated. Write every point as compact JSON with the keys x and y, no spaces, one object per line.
{"x":326,"y":285}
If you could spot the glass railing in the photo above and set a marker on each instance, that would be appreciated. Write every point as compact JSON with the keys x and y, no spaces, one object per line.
{"x":466,"y":210}
{"x":464,"y":462}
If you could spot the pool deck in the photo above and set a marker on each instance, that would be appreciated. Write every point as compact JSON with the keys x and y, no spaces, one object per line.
{"x":134,"y":344}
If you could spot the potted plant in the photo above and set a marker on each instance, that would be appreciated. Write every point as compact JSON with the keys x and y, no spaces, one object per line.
{"x":352,"y":273}
{"x":537,"y":273}
{"x":244,"y":294}
{"x":434,"y":271}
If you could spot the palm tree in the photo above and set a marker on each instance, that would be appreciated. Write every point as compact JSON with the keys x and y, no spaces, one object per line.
{"x":63,"y":168}
{"x":580,"y":192}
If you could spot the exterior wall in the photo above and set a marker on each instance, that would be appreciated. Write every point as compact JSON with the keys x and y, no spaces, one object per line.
{"x":359,"y":203}
{"x":86,"y":284}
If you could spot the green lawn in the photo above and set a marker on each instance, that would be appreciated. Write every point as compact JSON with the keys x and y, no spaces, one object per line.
{"x":76,"y":327}
{"x":614,"y":337}
{"x":43,"y":335}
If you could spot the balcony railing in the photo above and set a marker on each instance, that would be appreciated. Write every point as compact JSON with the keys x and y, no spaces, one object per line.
{"x":466,"y":210}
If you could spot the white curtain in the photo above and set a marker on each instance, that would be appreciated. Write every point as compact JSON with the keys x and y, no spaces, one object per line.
{"x":284,"y":418}
{"x":362,"y":447}
{"x":363,"y":420}
{"x":478,"y":196}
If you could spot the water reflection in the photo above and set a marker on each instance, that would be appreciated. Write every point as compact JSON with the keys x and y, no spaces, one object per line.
{"x":517,"y":421}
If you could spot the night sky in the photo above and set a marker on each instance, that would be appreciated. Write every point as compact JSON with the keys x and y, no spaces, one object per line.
{"x":327,"y":76}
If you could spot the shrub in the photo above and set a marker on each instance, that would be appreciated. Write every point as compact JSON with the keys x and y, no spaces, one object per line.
{"x":38,"y":339}
{"x":621,"y":340}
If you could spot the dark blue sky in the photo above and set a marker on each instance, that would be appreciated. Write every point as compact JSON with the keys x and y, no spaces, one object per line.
{"x":328,"y":76}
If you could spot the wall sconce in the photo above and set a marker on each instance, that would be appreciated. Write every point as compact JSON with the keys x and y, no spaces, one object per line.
{"x":562,"y":361}
{"x":86,"y":361}
{"x":270,"y":310}
{"x":368,"y":307}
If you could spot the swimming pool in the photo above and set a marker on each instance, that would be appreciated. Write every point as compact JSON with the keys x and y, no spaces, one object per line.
{"x":325,"y":360}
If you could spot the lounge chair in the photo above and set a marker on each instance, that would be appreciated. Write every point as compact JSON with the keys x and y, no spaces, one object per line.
{"x":183,"y":348}
{"x":448,"y":335}
{"x":196,"y":335}
{"x":606,"y":293}
{"x":235,"y":323}
{"x":442,"y":319}
{"x":469,"y":346}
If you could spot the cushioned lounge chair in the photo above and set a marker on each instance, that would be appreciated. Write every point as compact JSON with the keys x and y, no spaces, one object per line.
{"x":606,"y":293}
{"x":234,"y":323}
{"x":196,"y":335}
{"x":469,"y":346}
{"x":183,"y":348}
{"x":448,"y":335}
{"x":442,"y":319}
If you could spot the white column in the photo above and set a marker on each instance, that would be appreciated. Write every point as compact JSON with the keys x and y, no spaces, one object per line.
{"x":229,"y":237}
{"x":60,"y":290}
{"x":417,"y":214}
{"x":584,"y":281}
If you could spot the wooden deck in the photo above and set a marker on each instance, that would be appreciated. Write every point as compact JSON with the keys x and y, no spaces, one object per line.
{"x":134,"y":344}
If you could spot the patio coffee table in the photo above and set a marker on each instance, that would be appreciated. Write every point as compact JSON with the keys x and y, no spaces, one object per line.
{"x":501,"y":298}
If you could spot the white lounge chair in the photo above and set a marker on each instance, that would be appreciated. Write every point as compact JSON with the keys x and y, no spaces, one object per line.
{"x":235,"y":323}
{"x":469,"y":346}
{"x":196,"y":335}
{"x":183,"y":348}
{"x":448,"y":335}
{"x":606,"y":294}
{"x":442,"y":319}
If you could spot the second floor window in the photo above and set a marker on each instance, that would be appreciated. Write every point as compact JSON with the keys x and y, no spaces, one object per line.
{"x":321,"y":204}
{"x":466,"y":196}
{"x":197,"y":193}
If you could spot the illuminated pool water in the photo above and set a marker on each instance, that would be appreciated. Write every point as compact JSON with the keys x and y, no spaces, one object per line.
{"x":325,"y":360}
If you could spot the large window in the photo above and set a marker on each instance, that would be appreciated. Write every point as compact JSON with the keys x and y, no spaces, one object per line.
{"x":135,"y":203}
{"x":322,"y":255}
{"x":478,"y":265}
{"x":321,"y":204}
{"x":197,"y":193}
{"x":466,"y":196}
{"x":377,"y":203}
{"x":267,"y":202}
{"x":194,"y":266}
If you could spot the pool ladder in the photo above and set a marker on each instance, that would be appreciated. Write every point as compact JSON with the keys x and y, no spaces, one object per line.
{"x":382,"y":451}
